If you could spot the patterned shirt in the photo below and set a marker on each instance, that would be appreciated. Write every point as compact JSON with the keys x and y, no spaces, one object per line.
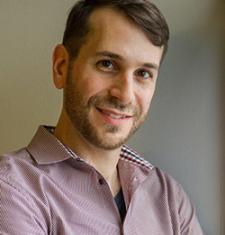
{"x":46,"y":189}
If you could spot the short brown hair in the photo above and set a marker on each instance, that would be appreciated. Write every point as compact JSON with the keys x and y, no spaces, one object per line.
{"x":142,"y":12}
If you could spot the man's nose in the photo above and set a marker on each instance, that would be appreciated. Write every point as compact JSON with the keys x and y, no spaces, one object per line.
{"x":123,"y":88}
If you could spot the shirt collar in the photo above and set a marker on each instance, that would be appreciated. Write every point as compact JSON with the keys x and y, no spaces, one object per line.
{"x":45,"y":148}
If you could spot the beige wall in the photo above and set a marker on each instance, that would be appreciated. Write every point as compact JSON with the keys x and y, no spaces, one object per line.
{"x":29,"y":31}
{"x":182,"y":134}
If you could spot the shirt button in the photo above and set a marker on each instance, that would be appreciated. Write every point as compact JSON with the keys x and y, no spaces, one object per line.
{"x":101,"y":181}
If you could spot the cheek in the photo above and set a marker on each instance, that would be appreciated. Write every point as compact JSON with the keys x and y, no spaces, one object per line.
{"x":92,"y":87}
{"x":145,"y":106}
{"x":144,"y":100}
{"x":95,"y":82}
{"x":87,"y":83}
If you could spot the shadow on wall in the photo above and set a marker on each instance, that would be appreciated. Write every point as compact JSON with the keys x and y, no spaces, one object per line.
{"x":223,"y":120}
{"x":221,"y":32}
{"x":215,"y":29}
{"x":216,"y":25}
{"x":186,"y":128}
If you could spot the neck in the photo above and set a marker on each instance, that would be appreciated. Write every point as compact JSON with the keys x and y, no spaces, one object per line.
{"x":104,"y":161}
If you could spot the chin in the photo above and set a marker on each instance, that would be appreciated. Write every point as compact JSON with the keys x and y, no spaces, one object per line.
{"x":110,"y":146}
{"x":111,"y":142}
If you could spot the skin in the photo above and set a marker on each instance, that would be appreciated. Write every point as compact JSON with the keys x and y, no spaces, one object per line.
{"x":108,"y":89}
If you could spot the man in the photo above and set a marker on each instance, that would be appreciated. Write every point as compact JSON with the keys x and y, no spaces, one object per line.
{"x":79,"y":177}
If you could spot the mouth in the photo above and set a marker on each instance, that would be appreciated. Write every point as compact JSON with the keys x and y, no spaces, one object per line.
{"x":113,"y":115}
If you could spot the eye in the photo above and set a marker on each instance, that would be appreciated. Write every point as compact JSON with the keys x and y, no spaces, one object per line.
{"x":144,"y":74}
{"x":106,"y":65}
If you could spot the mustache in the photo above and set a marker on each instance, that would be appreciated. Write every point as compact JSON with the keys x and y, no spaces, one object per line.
{"x":113,"y":102}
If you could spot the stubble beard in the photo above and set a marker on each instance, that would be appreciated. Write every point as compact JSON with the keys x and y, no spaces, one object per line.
{"x":78,"y":113}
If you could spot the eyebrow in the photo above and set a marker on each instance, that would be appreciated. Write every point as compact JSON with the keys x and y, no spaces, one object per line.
{"x":109,"y":54}
{"x":119,"y":57}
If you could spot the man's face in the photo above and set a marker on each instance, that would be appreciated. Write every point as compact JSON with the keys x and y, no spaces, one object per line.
{"x":111,"y":82}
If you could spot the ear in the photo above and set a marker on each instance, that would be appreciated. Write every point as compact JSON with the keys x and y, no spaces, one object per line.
{"x":60,"y":64}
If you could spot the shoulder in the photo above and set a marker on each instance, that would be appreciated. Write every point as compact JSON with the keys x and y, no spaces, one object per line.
{"x":147,"y":175}
{"x":18,"y":197}
{"x":162,"y":192}
{"x":167,"y":193}
{"x":21,"y":154}
{"x":167,"y":187}
{"x":151,"y":174}
{"x":13,"y":162}
{"x":18,"y":171}
{"x":163,"y":179}
{"x":15,"y":159}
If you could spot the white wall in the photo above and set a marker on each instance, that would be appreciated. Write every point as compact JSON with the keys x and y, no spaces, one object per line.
{"x":182,"y":134}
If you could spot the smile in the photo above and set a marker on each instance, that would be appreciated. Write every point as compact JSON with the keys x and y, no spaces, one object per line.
{"x":112,"y":114}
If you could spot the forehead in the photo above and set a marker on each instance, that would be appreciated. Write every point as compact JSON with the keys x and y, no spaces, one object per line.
{"x":111,"y":30}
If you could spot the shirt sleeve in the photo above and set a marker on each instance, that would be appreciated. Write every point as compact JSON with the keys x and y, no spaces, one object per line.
{"x":18,"y":214}
{"x":189,"y":224}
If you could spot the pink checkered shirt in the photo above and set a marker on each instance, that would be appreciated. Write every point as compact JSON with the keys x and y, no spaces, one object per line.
{"x":46,"y":189}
